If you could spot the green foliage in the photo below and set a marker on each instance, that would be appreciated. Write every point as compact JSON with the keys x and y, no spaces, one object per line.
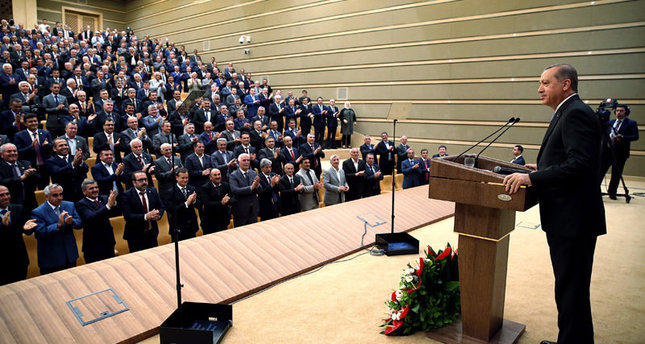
{"x":428,"y":296}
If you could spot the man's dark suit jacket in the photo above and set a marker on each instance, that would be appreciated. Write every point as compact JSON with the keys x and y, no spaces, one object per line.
{"x":131,"y":164}
{"x":13,"y":253}
{"x":257,"y":140}
{"x":289,"y":203}
{"x":81,"y":143}
{"x":26,"y":151}
{"x":215,"y":215}
{"x":306,"y":152}
{"x":68,"y":176}
{"x":165,"y":178}
{"x":519,"y":160}
{"x":98,"y":235}
{"x":356,"y":183}
{"x":195,"y":169}
{"x":218,"y":162}
{"x":105,"y":180}
{"x":366,"y":149}
{"x":244,"y":200}
{"x":285,"y":157}
{"x":401,"y":154}
{"x":185,"y":146}
{"x":182,"y":217}
{"x":276,"y":163}
{"x":23,"y":192}
{"x":629,"y":130}
{"x":268,"y":198}
{"x":239,"y":149}
{"x":101,"y":143}
{"x":424,"y":172}
{"x":276,"y":115}
{"x":128,"y":135}
{"x":567,"y":177}
{"x":138,"y":238}
{"x":385,"y":164}
{"x":372,"y":184}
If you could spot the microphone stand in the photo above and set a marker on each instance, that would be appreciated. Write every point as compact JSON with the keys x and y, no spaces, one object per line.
{"x":482,"y":140}
{"x":393,"y":174}
{"x":495,"y":139}
{"x":175,"y":230}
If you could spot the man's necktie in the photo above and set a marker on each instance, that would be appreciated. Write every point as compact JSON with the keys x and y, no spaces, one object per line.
{"x":140,"y":161}
{"x":293,"y":157}
{"x":39,"y":156}
{"x":96,"y":203}
{"x":145,"y":209}
{"x":183,"y":190}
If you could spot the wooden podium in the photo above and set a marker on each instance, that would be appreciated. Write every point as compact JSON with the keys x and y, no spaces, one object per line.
{"x":484,"y":219}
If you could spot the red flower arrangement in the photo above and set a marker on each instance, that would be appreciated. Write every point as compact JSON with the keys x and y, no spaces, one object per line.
{"x":428,"y":295}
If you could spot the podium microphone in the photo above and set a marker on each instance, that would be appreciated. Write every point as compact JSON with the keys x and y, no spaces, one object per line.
{"x":495,"y":139}
{"x":510,"y":120}
{"x":506,"y":171}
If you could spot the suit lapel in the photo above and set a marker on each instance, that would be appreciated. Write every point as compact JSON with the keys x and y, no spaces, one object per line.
{"x":554,"y":123}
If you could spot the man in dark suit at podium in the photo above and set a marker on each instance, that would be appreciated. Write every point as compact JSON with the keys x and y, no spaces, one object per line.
{"x":571,"y":208}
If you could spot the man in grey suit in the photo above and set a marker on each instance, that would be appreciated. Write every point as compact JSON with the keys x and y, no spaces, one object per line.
{"x":334,"y":182}
{"x":245,"y":186}
{"x":134,"y":132}
{"x":56,"y":107}
{"x":309,"y":196}
{"x":166,"y":176}
{"x":223,"y":159}
{"x":74,"y":141}
{"x":231,"y":135}
{"x":165,"y":136}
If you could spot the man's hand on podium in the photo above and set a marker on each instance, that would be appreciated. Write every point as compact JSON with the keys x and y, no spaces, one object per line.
{"x":512,"y":182}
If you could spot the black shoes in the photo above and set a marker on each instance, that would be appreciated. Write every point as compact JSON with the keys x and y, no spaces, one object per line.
{"x":612,"y":197}
{"x":547,"y":342}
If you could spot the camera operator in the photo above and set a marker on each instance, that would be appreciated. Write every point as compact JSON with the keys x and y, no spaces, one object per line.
{"x":622,"y":132}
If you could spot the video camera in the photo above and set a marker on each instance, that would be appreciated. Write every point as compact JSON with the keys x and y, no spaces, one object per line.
{"x":604,"y":110}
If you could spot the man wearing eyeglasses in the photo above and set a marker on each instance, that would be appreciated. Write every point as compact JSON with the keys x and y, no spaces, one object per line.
{"x":55,"y":221}
{"x":142,"y":208}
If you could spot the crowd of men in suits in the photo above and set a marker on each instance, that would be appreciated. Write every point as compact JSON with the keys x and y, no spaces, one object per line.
{"x":243,"y":151}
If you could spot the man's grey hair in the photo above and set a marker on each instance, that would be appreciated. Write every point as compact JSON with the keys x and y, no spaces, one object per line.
{"x":265,"y":162}
{"x":86,"y":183}
{"x":2,"y":148}
{"x":48,"y":188}
{"x":135,"y":141}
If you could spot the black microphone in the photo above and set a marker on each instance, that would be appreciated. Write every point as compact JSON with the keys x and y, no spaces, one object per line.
{"x":512,"y":119}
{"x":495,"y":139}
{"x":505,"y":170}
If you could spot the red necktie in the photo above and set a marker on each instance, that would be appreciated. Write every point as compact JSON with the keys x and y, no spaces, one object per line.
{"x":145,"y":208}
{"x":293,"y":157}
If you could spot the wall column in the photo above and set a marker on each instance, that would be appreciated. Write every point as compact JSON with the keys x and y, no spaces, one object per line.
{"x":24,"y":12}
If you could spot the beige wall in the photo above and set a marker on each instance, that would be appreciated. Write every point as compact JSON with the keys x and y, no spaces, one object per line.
{"x":464,"y":66}
{"x":24,"y":12}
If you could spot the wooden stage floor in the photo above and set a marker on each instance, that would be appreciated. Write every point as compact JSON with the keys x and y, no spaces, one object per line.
{"x":217,"y":268}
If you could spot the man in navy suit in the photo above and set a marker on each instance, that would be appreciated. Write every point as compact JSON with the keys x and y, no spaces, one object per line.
{"x":108,"y":175}
{"x":623,"y":132}
{"x":290,"y":187}
{"x":566,"y":180}
{"x":517,"y":155}
{"x":424,"y":168}
{"x":268,"y":198}
{"x":181,"y":206}
{"x":95,"y":211}
{"x":332,"y":124}
{"x":55,"y":222}
{"x":199,"y":165}
{"x":18,"y":176}
{"x":13,"y":253}
{"x":289,"y":154}
{"x":372,"y":176}
{"x":294,"y":133}
{"x":138,"y":160}
{"x":320,"y":120}
{"x":142,"y":208}
{"x":245,"y":147}
{"x":67,"y":170}
{"x":252,"y":103}
{"x":223,"y":159}
{"x":313,"y":151}
{"x":354,"y":170}
{"x":245,"y":186}
{"x":35,"y":145}
{"x":385,"y":150}
{"x":215,"y":196}
{"x":276,"y":112}
{"x":367,"y":147}
{"x":410,"y":168}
